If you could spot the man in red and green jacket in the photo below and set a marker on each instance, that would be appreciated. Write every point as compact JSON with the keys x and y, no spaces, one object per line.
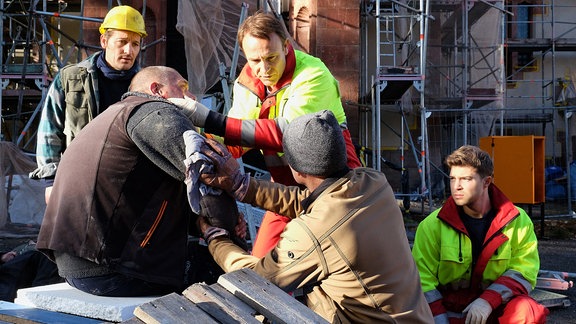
{"x":478,"y":254}
{"x":276,"y":85}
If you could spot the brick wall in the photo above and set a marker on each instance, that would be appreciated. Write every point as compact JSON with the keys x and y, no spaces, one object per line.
{"x":335,"y":38}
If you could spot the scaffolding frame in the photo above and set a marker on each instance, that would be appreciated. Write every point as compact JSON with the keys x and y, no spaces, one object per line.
{"x":50,"y":56}
{"x":400,"y":75}
{"x":469,"y":72}
{"x":470,"y":69}
{"x":549,"y":43}
{"x":37,"y":34}
{"x":395,"y":35}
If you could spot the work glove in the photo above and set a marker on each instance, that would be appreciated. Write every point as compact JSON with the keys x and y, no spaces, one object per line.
{"x":227,"y":173}
{"x":221,"y":211}
{"x":208,"y":231}
{"x":195,"y":111}
{"x":478,"y":311}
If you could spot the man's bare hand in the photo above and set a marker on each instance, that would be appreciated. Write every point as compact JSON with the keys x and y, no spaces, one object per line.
{"x":241,"y":228}
{"x":8,"y":256}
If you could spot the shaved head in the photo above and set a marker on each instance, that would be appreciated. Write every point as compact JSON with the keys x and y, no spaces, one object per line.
{"x":160,"y":74}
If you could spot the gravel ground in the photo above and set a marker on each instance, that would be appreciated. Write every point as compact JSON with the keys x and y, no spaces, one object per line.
{"x":555,"y":255}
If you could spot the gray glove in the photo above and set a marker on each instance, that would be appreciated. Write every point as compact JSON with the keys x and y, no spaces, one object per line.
{"x":227,"y":174}
{"x":478,"y":311}
{"x":195,"y":111}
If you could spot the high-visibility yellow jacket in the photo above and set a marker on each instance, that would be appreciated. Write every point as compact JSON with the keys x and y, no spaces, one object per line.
{"x":507,"y":266}
{"x":257,"y":117}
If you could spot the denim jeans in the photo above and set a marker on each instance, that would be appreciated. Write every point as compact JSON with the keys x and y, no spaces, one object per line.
{"x":119,"y":285}
{"x":29,"y":269}
{"x":200,"y":267}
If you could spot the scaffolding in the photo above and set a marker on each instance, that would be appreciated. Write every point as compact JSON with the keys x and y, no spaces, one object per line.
{"x":465,"y":77}
{"x":439,"y":74}
{"x":435,"y":74}
{"x":395,"y":35}
{"x":39,"y":37}
{"x":30,"y":59}
{"x":540,"y":50}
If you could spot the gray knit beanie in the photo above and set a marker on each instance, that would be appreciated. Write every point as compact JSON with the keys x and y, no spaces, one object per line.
{"x":314,"y":144}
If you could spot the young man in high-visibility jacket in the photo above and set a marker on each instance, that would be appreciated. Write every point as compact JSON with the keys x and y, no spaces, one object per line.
{"x":478,"y":254}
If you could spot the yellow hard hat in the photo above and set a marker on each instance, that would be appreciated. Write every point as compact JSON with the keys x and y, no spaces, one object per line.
{"x":124,"y":18}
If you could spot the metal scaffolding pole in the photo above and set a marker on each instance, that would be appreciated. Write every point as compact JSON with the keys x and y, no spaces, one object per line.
{"x":395,"y":40}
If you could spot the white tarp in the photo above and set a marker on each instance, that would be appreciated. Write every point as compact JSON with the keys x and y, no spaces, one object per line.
{"x":21,"y":199}
{"x":209,"y":28}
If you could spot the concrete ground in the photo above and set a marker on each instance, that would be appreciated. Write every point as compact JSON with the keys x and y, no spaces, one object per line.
{"x":560,"y":255}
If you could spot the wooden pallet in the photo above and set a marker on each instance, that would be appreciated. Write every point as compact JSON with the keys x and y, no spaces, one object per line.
{"x":241,"y":296}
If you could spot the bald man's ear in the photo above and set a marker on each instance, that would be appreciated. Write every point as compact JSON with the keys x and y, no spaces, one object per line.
{"x":155,"y":89}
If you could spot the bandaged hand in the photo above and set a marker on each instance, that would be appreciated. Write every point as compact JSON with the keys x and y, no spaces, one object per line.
{"x":195,"y":111}
{"x":211,"y":232}
{"x":478,"y":311}
{"x":208,"y":231}
{"x":227,"y":174}
{"x":211,"y":226}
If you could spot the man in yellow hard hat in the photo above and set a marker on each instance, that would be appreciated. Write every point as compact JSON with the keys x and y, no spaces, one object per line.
{"x":82,"y":91}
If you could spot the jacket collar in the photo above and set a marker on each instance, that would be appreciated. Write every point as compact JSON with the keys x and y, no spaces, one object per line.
{"x":90,"y":63}
{"x":308,"y":201}
{"x":249,"y":80}
{"x":504,"y":208}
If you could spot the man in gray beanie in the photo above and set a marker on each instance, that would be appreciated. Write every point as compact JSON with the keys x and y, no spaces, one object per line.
{"x":314,"y":145}
{"x":345,"y":252}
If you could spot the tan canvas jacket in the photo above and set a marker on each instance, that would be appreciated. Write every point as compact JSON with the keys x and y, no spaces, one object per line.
{"x":348,"y":251}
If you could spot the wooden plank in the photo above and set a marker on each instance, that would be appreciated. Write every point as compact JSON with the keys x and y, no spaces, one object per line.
{"x":271,"y":301}
{"x":133,"y":320}
{"x":220,"y":304}
{"x":223,"y":292}
{"x":171,"y":308}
